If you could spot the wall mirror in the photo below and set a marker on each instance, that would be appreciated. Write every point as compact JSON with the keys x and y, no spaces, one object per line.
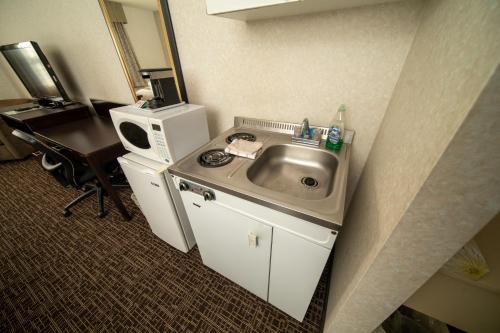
{"x":143,"y":35}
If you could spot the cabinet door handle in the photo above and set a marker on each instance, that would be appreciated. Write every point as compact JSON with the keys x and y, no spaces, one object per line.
{"x":253,"y":240}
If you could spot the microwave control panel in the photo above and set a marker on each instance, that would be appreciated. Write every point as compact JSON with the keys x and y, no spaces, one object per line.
{"x":160,"y":142}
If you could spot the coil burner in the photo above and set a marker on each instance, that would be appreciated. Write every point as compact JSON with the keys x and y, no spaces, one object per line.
{"x":241,"y":135}
{"x":214,"y":158}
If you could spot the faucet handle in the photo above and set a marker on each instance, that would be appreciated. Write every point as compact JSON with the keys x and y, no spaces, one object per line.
{"x":316,"y":134}
{"x":304,"y":129}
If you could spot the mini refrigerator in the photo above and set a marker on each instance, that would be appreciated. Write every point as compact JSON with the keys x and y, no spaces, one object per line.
{"x":159,"y":200}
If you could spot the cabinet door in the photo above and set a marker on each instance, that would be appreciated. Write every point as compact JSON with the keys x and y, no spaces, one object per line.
{"x":296,"y":266}
{"x":224,"y":235}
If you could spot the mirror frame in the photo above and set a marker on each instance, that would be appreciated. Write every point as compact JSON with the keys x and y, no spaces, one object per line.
{"x":168,"y":37}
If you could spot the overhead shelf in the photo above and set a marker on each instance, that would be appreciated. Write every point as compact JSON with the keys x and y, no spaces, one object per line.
{"x":249,"y":10}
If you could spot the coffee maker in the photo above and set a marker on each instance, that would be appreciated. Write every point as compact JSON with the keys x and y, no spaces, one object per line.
{"x":162,"y":83}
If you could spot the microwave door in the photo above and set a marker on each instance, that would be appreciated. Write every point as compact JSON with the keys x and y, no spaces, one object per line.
{"x":135,"y":135}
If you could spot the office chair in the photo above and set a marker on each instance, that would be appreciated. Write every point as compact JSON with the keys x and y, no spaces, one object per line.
{"x":67,"y":171}
{"x":102,"y":107}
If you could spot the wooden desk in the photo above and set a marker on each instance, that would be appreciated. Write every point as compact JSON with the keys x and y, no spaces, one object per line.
{"x":29,"y":121}
{"x":95,"y":140}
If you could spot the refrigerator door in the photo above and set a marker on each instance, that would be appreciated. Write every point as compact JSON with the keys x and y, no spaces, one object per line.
{"x":181,"y":211}
{"x":153,"y":196}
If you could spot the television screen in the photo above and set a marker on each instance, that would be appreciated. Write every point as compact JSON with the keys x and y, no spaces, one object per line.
{"x":33,"y":69}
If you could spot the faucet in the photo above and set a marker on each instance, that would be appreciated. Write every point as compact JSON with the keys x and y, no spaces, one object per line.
{"x":304,"y":129}
{"x":302,"y":135}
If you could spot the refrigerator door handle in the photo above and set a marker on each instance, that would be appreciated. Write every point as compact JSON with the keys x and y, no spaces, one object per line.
{"x":148,"y":172}
{"x":145,"y":171}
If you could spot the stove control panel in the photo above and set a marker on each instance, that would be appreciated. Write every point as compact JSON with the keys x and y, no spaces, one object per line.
{"x":205,"y":192}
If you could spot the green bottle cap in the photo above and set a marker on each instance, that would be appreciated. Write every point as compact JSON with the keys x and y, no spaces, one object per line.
{"x":342,"y":108}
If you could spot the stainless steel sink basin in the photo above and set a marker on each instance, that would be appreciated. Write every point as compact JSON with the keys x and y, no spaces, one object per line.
{"x":305,"y":182}
{"x":301,"y":172}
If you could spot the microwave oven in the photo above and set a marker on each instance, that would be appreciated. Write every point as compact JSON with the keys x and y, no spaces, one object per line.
{"x":165,"y":136}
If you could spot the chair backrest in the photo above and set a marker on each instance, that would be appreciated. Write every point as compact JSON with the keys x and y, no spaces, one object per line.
{"x":65,"y":173}
{"x":102,"y":107}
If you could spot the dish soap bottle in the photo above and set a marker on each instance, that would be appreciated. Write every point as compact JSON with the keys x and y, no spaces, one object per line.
{"x":335,"y":137}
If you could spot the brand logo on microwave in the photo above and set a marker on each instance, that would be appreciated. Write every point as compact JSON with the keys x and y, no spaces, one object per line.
{"x":154,"y":184}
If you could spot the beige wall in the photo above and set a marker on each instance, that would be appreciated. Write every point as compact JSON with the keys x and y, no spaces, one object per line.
{"x":472,"y":306}
{"x":75,"y":39}
{"x":398,"y":232}
{"x":296,"y":67}
{"x":469,"y":308}
{"x":144,"y":35}
{"x":10,"y":85}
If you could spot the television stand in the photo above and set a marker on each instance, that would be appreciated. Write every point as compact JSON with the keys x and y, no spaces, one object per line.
{"x":27,"y":108}
{"x":51,"y":103}
{"x":41,"y":117}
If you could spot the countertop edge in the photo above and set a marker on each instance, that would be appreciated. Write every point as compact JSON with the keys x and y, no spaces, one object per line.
{"x":321,"y":222}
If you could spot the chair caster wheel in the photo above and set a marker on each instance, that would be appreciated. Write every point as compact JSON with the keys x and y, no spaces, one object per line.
{"x":102,"y":214}
{"x":67,"y":213}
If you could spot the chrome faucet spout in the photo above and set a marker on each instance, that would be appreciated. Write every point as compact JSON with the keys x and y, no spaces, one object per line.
{"x":304,"y":129}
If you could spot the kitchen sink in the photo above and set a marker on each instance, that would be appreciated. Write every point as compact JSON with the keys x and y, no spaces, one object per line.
{"x":301,"y":172}
{"x":306,"y":182}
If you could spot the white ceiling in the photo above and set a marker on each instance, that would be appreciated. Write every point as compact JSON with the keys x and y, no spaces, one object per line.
{"x":144,"y":4}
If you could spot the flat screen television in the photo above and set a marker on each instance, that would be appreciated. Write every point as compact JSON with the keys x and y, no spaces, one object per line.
{"x":34,"y":70}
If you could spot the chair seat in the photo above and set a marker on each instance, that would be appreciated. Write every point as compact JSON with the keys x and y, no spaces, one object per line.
{"x":86,"y":176}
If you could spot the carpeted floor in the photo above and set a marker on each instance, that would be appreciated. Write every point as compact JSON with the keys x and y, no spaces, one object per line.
{"x":83,"y":273}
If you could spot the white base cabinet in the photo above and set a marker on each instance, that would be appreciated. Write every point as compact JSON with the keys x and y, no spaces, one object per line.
{"x":223,"y":240}
{"x":276,"y":256}
{"x":296,"y":267}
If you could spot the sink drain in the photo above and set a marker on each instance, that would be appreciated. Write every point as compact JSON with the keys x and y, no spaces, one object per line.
{"x":309,"y":182}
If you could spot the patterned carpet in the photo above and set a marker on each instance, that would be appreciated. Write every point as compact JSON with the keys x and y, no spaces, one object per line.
{"x":83,"y":273}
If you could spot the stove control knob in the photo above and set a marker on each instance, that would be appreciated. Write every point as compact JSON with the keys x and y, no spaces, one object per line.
{"x":208,"y":196}
{"x":183,"y":186}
